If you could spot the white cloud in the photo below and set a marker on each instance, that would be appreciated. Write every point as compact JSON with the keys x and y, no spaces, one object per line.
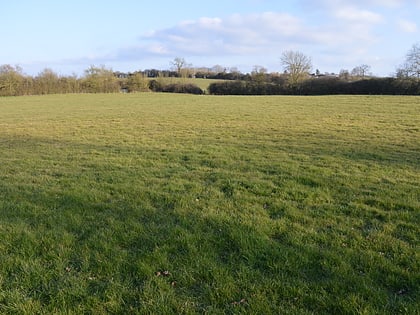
{"x":262,"y":34}
{"x":209,"y":23}
{"x":335,"y":33}
{"x":158,"y":49}
{"x":357,"y":15}
{"x":407,"y":26}
{"x":237,"y":34}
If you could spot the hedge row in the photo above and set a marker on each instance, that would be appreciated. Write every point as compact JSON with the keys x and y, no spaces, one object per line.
{"x":320,"y":86}
{"x":189,"y":88}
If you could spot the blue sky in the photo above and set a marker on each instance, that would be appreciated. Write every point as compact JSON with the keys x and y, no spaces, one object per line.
{"x":129,"y":35}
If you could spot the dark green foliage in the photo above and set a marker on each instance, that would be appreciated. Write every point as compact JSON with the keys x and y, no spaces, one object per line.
{"x":385,"y":86}
{"x":246,"y":88}
{"x":228,"y":88}
{"x":155,"y":85}
{"x":319,"y":86}
{"x":187,"y":88}
{"x":182,"y":88}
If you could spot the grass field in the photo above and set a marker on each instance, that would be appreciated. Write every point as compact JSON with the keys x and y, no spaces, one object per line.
{"x":201,"y":83}
{"x":179,"y":204}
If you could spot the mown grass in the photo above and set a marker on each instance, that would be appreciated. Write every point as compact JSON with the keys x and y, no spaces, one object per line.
{"x":179,"y":204}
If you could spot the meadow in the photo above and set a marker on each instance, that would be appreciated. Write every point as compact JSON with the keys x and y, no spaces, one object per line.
{"x":201,"y":83}
{"x":178,"y":204}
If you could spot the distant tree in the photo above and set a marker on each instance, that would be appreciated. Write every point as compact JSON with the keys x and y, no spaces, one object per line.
{"x":137,"y":83}
{"x":69,"y":84}
{"x":47,"y":82}
{"x":411,"y":66}
{"x":11,"y":79}
{"x":234,"y":70}
{"x":179,"y":63}
{"x":100,"y":80}
{"x":235,"y":74}
{"x":186,"y":72}
{"x":402,"y":72}
{"x":297,"y":65}
{"x":151,"y":73}
{"x":218,"y":69}
{"x":259,"y":73}
{"x":344,"y":74}
{"x":259,"y":70}
{"x":360,"y":71}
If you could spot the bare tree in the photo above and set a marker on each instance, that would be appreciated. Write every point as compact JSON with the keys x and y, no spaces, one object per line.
{"x":297,"y":65}
{"x":178,"y":63}
{"x":218,"y":69}
{"x":344,"y":74}
{"x":360,"y":71}
{"x":411,"y":67}
{"x":259,"y":74}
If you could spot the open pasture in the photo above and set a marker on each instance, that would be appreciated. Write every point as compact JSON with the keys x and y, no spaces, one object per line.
{"x":179,"y":204}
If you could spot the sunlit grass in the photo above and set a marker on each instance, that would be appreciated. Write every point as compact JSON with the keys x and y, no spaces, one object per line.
{"x":179,"y":204}
{"x":201,"y":83}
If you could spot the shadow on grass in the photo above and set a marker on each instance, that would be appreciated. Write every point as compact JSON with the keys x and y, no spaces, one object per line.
{"x":110,"y":250}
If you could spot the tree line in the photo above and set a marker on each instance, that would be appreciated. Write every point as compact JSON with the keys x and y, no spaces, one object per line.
{"x":13,"y":82}
{"x":296,"y":79}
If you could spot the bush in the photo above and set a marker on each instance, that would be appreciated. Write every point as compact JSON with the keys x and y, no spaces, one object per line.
{"x":322,"y":86}
{"x":228,"y":88}
{"x":246,"y":88}
{"x":155,"y":86}
{"x":182,"y":88}
{"x":187,"y":88}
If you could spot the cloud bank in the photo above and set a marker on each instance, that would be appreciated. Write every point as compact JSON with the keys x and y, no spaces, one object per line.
{"x":335,"y":33}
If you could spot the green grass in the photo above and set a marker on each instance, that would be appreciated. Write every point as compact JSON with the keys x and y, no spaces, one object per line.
{"x":201,"y":83}
{"x":253,"y":205}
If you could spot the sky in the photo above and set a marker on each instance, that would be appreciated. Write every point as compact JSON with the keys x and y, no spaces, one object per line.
{"x":129,"y":35}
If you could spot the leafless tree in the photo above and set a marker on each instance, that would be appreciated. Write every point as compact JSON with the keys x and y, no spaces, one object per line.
{"x":178,"y":63}
{"x":360,"y":71}
{"x":297,"y":65}
{"x":411,"y":66}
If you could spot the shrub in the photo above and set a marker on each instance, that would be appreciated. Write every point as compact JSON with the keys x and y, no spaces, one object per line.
{"x":246,"y":88}
{"x":187,"y":88}
{"x":182,"y":88}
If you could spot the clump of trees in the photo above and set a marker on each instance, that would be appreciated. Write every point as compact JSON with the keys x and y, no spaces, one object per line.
{"x":100,"y":80}
{"x":13,"y":82}
{"x":136,"y":82}
{"x":411,"y":66}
